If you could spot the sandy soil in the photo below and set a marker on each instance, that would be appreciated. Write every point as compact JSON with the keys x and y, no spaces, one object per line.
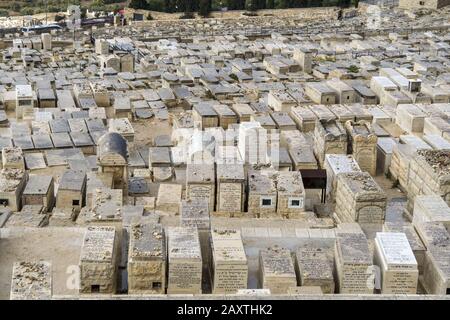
{"x":60,"y":246}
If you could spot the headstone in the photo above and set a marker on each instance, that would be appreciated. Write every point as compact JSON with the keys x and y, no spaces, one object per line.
{"x":353,"y":263}
{"x":230,"y":268}
{"x":185,"y":261}
{"x":147,"y":259}
{"x":315,"y":267}
{"x":399,"y":272}
{"x":277,"y":270}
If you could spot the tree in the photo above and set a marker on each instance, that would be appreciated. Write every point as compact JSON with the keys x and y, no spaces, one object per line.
{"x":169,"y":6}
{"x":283,"y":4}
{"x":251,"y":5}
{"x":261,"y":4}
{"x":204,"y":8}
{"x":235,"y":4}
{"x":344,"y":3}
{"x":270,"y":4}
{"x":138,"y":4}
{"x":15,"y":6}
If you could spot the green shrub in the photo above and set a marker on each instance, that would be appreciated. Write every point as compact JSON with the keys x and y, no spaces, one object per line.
{"x":353,"y":69}
{"x":187,"y":15}
{"x":27,"y":11}
{"x":59,"y":17}
{"x":15,"y":6}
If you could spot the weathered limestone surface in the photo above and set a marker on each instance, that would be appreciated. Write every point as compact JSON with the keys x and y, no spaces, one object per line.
{"x":200,"y":182}
{"x":429,"y":174}
{"x":431,"y":209}
{"x":336,"y":164}
{"x":185,"y":261}
{"x":414,"y":240}
{"x":230,"y":187}
{"x":315,"y":267}
{"x":147,"y":259}
{"x":229,"y":263}
{"x":291,"y":195}
{"x":277,"y":270}
{"x":359,"y":198}
{"x":329,"y":137}
{"x":98,"y":261}
{"x":399,"y":272}
{"x":353,"y":263}
{"x":169,"y":198}
{"x":195,"y":213}
{"x":363,"y":145}
{"x":262,"y":194}
{"x":12,"y":157}
{"x":12,"y":184}
{"x":436,"y":273}
{"x":31,"y":281}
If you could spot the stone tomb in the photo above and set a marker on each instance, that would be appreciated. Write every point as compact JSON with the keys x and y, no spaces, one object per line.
{"x":314,"y":264}
{"x":431,"y":209}
{"x":363,"y":145}
{"x":12,"y":157}
{"x":304,"y":118}
{"x":31,"y":281}
{"x":98,"y":260}
{"x":336,"y":164}
{"x":33,"y":216}
{"x":200,"y":182}
{"x":436,"y":274}
{"x":277,"y":270}
{"x":159,"y":157}
{"x":262,"y":194}
{"x":72,"y":190}
{"x":12,"y":184}
{"x":359,"y":198}
{"x":402,"y":154}
{"x":195,"y":213}
{"x":147,"y":259}
{"x":185,"y":261}
{"x":414,"y":240}
{"x":437,"y":271}
{"x":205,"y":116}
{"x":169,"y":198}
{"x":290,"y":195}
{"x":230,"y":187}
{"x":429,"y":174}
{"x":385,"y":148}
{"x":410,"y":118}
{"x":399,"y":270}
{"x":39,"y":191}
{"x":353,"y":263}
{"x":329,"y":137}
{"x":226,"y":115}
{"x":229,"y":262}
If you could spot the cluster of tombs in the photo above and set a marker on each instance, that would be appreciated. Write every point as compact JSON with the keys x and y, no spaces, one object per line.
{"x":231,"y":164}
{"x":173,"y":261}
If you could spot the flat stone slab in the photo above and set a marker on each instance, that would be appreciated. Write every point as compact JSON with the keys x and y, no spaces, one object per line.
{"x":35,"y":161}
{"x":42,"y":141}
{"x":61,"y":140}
